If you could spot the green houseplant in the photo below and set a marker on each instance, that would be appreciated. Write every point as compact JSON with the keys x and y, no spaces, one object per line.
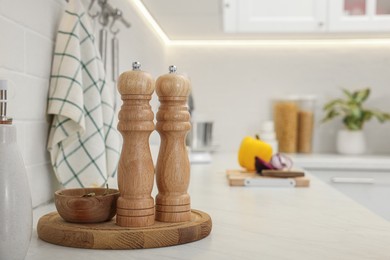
{"x":352,"y":111}
{"x":351,"y":140}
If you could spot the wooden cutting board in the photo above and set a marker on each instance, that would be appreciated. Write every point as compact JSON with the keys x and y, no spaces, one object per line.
{"x":283,"y":173}
{"x":107,"y":235}
{"x":245,"y":178}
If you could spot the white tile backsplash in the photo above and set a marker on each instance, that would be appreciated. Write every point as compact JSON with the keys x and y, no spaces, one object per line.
{"x":43,"y":183}
{"x":28,"y":90}
{"x":39,"y":16}
{"x":28,"y":33}
{"x":11,"y":45}
{"x":38,"y":55}
{"x":36,"y":133}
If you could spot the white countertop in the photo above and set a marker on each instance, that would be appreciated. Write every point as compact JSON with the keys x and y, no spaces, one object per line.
{"x":257,"y":223}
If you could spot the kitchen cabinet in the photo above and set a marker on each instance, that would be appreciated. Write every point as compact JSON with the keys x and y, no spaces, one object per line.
{"x":365,"y":179}
{"x":370,"y":189}
{"x":274,"y":16}
{"x":359,"y":16}
{"x":306,"y":16}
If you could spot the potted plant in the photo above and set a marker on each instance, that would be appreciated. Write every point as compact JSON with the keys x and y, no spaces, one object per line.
{"x":351,"y":140}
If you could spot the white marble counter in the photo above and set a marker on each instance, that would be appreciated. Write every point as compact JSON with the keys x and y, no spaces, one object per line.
{"x":258,"y":223}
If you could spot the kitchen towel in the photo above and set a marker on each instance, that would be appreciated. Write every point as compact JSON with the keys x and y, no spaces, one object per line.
{"x":83,"y":142}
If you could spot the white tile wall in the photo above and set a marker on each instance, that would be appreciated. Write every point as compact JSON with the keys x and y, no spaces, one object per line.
{"x":28,"y":31}
{"x":38,"y":54}
{"x":39,"y":16}
{"x":36,"y":133}
{"x":28,"y":90}
{"x":12,"y":45}
{"x":40,"y":177}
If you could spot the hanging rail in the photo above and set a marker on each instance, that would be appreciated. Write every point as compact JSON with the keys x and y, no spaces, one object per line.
{"x":108,"y":12}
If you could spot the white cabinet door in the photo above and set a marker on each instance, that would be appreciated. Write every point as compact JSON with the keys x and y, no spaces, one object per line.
{"x":369,"y":188}
{"x":359,"y":15}
{"x":275,"y":16}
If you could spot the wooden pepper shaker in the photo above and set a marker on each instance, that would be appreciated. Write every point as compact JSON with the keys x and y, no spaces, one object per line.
{"x":173,"y":167}
{"x":135,"y":206}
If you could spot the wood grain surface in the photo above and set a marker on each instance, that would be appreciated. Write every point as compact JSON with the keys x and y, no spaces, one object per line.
{"x":135,"y":206}
{"x":173,"y":166}
{"x":75,"y":205}
{"x":283,"y":173}
{"x":53,"y":229}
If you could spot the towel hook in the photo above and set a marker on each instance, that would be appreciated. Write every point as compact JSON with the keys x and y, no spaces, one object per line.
{"x":93,"y":16}
{"x":108,"y":11}
{"x":105,"y":13}
{"x":115,"y":16}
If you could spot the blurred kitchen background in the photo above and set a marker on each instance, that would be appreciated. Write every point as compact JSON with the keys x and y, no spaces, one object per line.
{"x":310,"y":48}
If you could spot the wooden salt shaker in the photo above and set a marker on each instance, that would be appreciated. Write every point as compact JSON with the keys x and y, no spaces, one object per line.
{"x":135,"y":206}
{"x":173,"y":167}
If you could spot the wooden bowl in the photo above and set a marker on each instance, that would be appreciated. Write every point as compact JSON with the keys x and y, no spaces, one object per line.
{"x":86,"y":205}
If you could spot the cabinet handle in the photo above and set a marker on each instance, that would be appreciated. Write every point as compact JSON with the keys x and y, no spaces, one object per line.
{"x":353,"y":180}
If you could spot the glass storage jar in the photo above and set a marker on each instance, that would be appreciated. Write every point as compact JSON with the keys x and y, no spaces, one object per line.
{"x":285,"y":114}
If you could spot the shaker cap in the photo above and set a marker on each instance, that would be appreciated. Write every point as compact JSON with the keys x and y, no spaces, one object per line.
{"x":173,"y":84}
{"x":135,"y":82}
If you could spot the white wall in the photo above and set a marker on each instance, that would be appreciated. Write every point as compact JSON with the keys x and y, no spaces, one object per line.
{"x":235,"y":85}
{"x":28,"y":30}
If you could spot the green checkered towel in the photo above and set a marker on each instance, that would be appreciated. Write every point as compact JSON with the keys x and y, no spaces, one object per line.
{"x":83,"y":143}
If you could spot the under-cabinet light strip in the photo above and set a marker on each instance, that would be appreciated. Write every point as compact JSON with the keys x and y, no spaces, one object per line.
{"x":276,"y":43}
{"x":149,"y":18}
{"x":312,"y":42}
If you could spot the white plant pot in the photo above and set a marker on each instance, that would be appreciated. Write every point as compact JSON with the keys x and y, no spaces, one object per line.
{"x":351,"y":142}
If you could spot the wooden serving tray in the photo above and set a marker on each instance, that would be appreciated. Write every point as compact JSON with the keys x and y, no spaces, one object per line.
{"x":107,"y":235}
